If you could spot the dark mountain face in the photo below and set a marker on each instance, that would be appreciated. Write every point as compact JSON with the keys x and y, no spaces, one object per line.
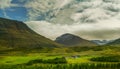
{"x":17,"y":34}
{"x":73,"y":40}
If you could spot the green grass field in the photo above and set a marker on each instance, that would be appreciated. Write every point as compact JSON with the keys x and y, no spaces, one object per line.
{"x":17,"y":60}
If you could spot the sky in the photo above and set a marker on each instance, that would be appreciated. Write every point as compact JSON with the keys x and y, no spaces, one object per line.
{"x":89,"y":19}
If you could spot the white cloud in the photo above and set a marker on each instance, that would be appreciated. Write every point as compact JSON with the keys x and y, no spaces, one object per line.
{"x":80,"y":11}
{"x":6,"y":4}
{"x":62,"y":3}
{"x":90,"y":19}
{"x":48,"y":29}
{"x":90,"y":15}
{"x":37,"y":8}
{"x":102,"y":30}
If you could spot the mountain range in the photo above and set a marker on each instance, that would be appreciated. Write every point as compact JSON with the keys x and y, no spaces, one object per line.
{"x":16,"y":34}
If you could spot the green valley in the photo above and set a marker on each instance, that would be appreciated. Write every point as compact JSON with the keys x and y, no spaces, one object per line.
{"x":22,"y":48}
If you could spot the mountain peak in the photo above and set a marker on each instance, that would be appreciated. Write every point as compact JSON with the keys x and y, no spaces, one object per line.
{"x":68,"y":36}
{"x":71,"y":40}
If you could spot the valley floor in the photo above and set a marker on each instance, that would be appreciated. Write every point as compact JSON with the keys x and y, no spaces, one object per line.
{"x":107,"y":58}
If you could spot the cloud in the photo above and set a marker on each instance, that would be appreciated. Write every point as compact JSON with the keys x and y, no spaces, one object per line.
{"x":102,"y":30}
{"x":72,"y":11}
{"x":41,"y":9}
{"x":109,"y":34}
{"x":89,"y":19}
{"x":6,"y":4}
{"x":93,"y":11}
{"x":48,"y":29}
{"x":90,"y":15}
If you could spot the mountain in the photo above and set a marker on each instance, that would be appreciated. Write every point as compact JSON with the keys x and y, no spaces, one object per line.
{"x":115,"y":42}
{"x":101,"y":42}
{"x":73,"y":40}
{"x":16,"y":34}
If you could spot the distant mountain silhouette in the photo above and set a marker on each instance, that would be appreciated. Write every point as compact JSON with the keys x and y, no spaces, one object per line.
{"x":115,"y":42}
{"x":73,"y":40}
{"x":102,"y":42}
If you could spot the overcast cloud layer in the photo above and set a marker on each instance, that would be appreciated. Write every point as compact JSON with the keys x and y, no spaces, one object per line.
{"x":105,"y":30}
{"x":89,"y":19}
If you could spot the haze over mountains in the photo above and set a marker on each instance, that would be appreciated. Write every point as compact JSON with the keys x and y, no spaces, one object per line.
{"x":102,"y":42}
{"x":115,"y":42}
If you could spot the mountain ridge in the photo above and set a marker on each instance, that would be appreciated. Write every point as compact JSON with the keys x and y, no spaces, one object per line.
{"x":73,"y":40}
{"x":17,"y":34}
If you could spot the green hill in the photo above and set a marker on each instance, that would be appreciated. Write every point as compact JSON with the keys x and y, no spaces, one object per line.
{"x":16,"y":34}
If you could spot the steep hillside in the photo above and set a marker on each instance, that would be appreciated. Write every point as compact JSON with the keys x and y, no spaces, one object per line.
{"x":15,"y":34}
{"x":73,"y":40}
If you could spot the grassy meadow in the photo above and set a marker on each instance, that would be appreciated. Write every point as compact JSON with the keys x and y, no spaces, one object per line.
{"x":102,"y":57}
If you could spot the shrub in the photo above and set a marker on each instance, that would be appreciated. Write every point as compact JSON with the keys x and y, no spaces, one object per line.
{"x":49,"y":61}
{"x":105,"y":59}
